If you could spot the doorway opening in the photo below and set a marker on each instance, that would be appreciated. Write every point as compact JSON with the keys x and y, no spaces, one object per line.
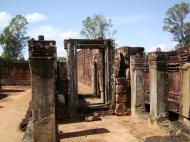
{"x":90,"y":71}
{"x":90,"y":75}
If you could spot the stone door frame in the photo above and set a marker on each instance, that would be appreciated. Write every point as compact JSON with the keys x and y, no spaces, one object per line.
{"x":107,"y":46}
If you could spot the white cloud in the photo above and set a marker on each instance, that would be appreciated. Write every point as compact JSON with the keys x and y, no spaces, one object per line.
{"x":36,"y":17}
{"x":52,"y":33}
{"x":130,"y":19}
{"x":164,"y":47}
{"x":69,"y":34}
{"x":48,"y":31}
{"x":4,"y":19}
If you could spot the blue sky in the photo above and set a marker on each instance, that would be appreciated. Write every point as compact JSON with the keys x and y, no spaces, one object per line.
{"x":138,"y":22}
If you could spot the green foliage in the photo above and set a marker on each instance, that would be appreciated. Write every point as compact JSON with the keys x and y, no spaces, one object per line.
{"x":176,"y":23}
{"x":61,"y":59}
{"x":14,"y":39}
{"x":96,"y":27}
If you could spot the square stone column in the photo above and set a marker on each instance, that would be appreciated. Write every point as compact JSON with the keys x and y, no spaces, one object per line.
{"x":42,"y":56}
{"x":72,"y":78}
{"x":158,"y":74}
{"x":185,"y":99}
{"x":137,"y":83}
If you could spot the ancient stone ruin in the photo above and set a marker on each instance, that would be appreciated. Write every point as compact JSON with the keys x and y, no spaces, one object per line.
{"x":153,"y":87}
{"x":43,"y":66}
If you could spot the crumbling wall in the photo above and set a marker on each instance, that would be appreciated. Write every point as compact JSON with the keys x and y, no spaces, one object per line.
{"x":15,"y":73}
{"x":176,"y":60}
{"x":122,"y":99}
{"x":174,"y":82}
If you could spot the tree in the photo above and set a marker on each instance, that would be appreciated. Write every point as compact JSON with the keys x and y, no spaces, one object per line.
{"x":14,"y":39}
{"x":96,"y":27}
{"x":61,"y":59}
{"x":176,"y":23}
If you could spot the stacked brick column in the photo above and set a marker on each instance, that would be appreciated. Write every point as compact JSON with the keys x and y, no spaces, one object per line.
{"x":158,"y":72}
{"x":42,"y":55}
{"x":121,"y":96}
{"x":120,"y":87}
{"x":137,"y":83}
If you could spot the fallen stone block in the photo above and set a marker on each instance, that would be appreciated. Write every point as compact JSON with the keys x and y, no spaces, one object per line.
{"x":110,"y":112}
{"x":23,"y":124}
{"x":95,"y":117}
{"x":28,"y":136}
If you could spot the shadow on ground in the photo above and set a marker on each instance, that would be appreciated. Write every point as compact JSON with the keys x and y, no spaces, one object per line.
{"x":83,"y":133}
{"x":2,"y":96}
{"x":11,"y":90}
{"x":6,"y":92}
{"x":84,"y":109}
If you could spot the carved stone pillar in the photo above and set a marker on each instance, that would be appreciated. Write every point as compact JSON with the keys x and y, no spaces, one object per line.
{"x":137,"y":83}
{"x":72,"y":78}
{"x":158,"y":74}
{"x":185,"y":99}
{"x":42,"y":56}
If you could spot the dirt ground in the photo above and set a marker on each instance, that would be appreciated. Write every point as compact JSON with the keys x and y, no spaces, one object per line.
{"x":86,"y":91}
{"x":112,"y":129}
{"x":14,"y":101}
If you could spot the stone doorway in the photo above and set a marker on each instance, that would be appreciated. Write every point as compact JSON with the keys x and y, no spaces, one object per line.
{"x":106,"y":48}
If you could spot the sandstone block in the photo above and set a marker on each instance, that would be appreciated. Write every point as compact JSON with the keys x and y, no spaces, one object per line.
{"x":112,"y":106}
{"x":116,"y":72}
{"x":120,"y":81}
{"x":121,"y":98}
{"x":120,"y":109}
{"x":120,"y":89}
{"x":117,"y":64}
{"x":127,"y":73}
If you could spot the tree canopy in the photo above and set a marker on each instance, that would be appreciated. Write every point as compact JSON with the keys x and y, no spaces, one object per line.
{"x":97,"y":26}
{"x":177,"y":24}
{"x":13,"y":39}
{"x":61,"y":59}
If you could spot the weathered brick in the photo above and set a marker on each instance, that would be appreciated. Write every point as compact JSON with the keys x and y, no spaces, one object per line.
{"x":120,"y":89}
{"x":120,"y":81}
{"x":120,"y":109}
{"x":121,"y":98}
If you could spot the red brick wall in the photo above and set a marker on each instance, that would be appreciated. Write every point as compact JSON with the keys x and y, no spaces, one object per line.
{"x":14,"y":73}
{"x":84,"y":66}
